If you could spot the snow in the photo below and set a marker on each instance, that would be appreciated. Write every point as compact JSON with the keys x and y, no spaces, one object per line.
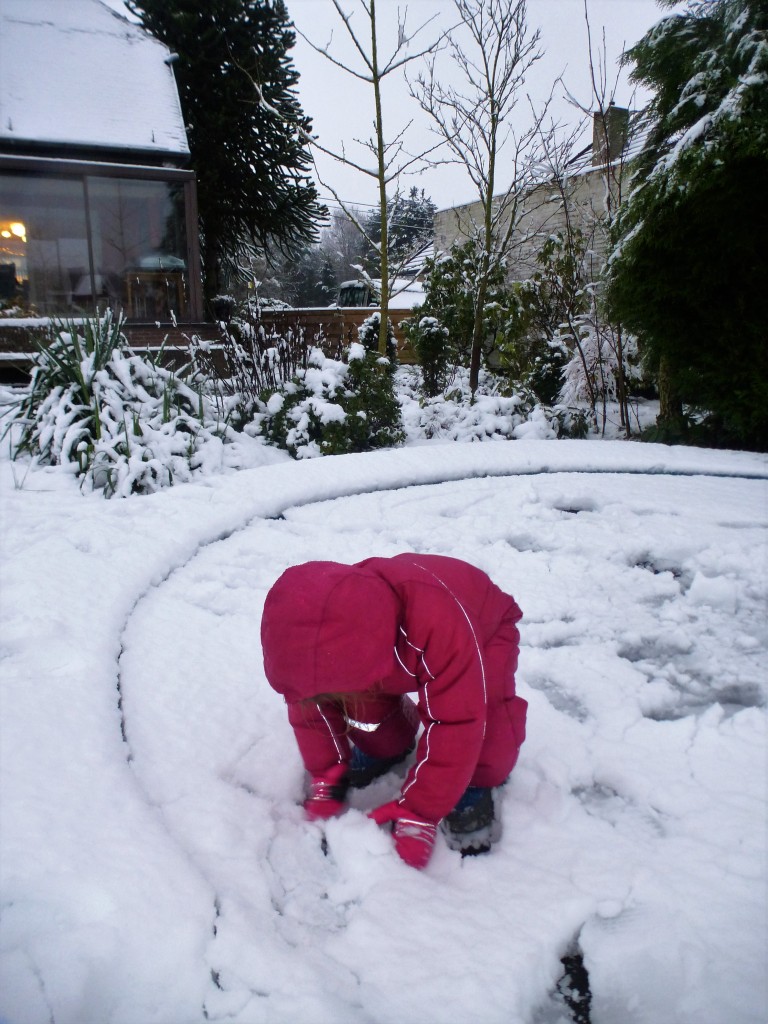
{"x":726,"y":79}
{"x":78,"y":73}
{"x":156,"y":866}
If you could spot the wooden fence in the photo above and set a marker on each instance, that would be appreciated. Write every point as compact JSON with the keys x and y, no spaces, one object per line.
{"x":337,"y":325}
{"x":332,"y":327}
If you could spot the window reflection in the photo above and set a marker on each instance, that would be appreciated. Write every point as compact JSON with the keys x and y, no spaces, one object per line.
{"x":68,"y":245}
{"x":40,"y":265}
{"x":139,"y":245}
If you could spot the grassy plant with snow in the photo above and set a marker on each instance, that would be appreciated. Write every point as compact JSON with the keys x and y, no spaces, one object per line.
{"x":247,"y":362}
{"x":122,"y":422}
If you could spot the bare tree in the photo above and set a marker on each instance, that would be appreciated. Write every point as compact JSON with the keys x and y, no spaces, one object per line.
{"x":390,"y":158}
{"x":565,"y":260}
{"x":494,"y":52}
{"x":612,"y":129}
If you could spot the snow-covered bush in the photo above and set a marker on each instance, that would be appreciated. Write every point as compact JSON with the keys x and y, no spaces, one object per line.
{"x":430,"y":340}
{"x":591,"y":369}
{"x":223,"y":307}
{"x":542,"y":365}
{"x":333,"y":407}
{"x":453,"y":416}
{"x":450,"y":295}
{"x":373,"y":412}
{"x":368,"y":336}
{"x":602,"y":360}
{"x":122,"y":422}
{"x":247,"y":362}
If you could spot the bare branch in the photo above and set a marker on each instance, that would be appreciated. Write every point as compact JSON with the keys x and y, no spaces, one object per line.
{"x":391,"y":160}
{"x":476,"y":125}
{"x":347,"y":22}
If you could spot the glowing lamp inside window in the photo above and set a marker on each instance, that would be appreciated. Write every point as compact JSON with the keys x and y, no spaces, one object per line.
{"x":13,"y":229}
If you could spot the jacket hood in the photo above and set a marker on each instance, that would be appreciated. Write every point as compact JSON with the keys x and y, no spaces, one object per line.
{"x":328,"y":628}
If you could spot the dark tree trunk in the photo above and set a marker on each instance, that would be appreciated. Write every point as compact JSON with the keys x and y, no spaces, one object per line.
{"x":670,"y":418}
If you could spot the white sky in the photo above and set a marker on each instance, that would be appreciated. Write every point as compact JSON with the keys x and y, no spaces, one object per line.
{"x":341,"y":109}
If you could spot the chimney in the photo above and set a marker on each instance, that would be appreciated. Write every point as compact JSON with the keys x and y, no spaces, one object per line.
{"x":609,"y":133}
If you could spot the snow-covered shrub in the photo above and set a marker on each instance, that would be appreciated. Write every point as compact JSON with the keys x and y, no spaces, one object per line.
{"x":591,"y":368}
{"x":223,"y":307}
{"x":602,"y":361}
{"x":535,"y":352}
{"x":368,"y":336}
{"x":494,"y":415}
{"x":333,"y":407}
{"x":246,"y":362}
{"x":544,"y":368}
{"x":371,"y":406}
{"x":431,"y":344}
{"x":297,"y":412}
{"x":450,"y":295}
{"x":125,"y":424}
{"x":572,"y":420}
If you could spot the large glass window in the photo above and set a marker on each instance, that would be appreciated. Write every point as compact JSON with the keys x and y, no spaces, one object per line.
{"x":139,"y":245}
{"x":69,"y":245}
{"x":43,"y":242}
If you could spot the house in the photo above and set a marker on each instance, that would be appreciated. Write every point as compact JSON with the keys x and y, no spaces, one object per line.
{"x":586,"y":188}
{"x":97,"y":200}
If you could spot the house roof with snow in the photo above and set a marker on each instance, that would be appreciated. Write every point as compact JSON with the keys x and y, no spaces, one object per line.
{"x":74,"y":73}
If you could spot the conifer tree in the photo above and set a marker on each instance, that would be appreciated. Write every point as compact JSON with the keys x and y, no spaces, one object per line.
{"x":688,"y":274}
{"x":309,"y":280}
{"x":412,"y":223}
{"x":411,"y":229}
{"x":247,"y":133}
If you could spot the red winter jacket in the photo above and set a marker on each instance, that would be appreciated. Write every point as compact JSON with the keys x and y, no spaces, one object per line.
{"x":424,"y":624}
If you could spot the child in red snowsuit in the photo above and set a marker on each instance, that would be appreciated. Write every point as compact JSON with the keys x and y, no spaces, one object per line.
{"x":346,"y":644}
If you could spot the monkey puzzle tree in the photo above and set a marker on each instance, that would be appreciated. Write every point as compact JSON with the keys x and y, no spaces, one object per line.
{"x":247,"y":133}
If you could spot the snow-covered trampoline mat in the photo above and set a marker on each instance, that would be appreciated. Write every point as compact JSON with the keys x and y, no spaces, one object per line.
{"x":634,"y":824}
{"x":156,"y":866}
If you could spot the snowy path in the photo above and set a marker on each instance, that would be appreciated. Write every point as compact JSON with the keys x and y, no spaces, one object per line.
{"x":183,"y":885}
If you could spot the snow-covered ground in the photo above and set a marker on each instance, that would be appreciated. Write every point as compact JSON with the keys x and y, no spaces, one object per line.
{"x":156,"y":867}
